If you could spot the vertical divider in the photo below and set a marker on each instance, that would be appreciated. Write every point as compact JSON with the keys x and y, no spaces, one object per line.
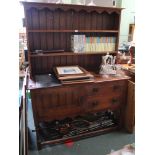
{"x":99,"y":22}
{"x":42,"y":23}
{"x":93,"y":20}
{"x":56,"y":26}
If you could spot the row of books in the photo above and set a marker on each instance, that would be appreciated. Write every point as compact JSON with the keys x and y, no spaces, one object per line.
{"x":82,"y":43}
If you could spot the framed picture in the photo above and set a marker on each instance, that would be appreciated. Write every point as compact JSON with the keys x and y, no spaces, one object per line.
{"x":69,"y":70}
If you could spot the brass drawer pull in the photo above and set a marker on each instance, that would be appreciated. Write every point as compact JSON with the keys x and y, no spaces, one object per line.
{"x":95,"y":103}
{"x":116,"y":87}
{"x":80,"y":101}
{"x":95,"y":90}
{"x":114,"y":101}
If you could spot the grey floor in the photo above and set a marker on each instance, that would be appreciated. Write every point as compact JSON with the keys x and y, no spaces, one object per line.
{"x":99,"y":145}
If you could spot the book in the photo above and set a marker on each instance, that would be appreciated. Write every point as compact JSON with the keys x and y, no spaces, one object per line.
{"x":98,"y":44}
{"x":82,"y":43}
{"x":108,"y":44}
{"x":113,"y":43}
{"x":93,"y":44}
{"x":78,"y":43}
{"x":88,"y":44}
{"x":102,"y":44}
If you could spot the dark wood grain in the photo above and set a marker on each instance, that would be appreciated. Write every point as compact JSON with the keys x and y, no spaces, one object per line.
{"x":67,"y":7}
{"x":49,"y":28}
{"x":67,"y":99}
{"x":130,"y":108}
{"x":81,"y":136}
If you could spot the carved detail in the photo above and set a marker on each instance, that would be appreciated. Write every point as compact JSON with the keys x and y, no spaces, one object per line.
{"x":67,"y":7}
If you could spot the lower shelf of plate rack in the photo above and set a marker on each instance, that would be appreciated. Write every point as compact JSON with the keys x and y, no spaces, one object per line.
{"x":78,"y":137}
{"x":92,"y":124}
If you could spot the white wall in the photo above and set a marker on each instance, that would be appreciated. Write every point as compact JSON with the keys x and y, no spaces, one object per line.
{"x":97,"y":2}
{"x":127,"y":18}
{"x":52,"y":1}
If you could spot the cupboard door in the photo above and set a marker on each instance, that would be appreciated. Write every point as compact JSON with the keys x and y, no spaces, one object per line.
{"x":130,"y":108}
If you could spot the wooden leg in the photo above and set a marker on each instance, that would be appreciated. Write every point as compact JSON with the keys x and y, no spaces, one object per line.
{"x":38,"y":146}
{"x":38,"y":140}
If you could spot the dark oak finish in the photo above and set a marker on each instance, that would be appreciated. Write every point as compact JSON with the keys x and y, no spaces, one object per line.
{"x":81,"y":136}
{"x":71,"y":100}
{"x":52,"y":100}
{"x":129,"y":70}
{"x":91,"y":31}
{"x":49,"y":28}
{"x":130,"y":108}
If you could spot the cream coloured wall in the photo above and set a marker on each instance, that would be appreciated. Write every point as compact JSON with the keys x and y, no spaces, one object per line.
{"x":127,"y":18}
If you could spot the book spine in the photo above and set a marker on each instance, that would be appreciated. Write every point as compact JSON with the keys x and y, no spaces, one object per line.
{"x":83,"y":43}
{"x":91,"y":48}
{"x":93,"y":44}
{"x":87,"y":44}
{"x":75,"y":43}
{"x":104,"y":43}
{"x":114,"y":43}
{"x":111,"y":44}
{"x":101,"y":43}
{"x":108,"y":44}
{"x":99,"y":40}
{"x":98,"y":44}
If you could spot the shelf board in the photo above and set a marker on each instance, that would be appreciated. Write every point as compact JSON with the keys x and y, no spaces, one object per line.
{"x":80,"y":136}
{"x":70,"y":53}
{"x":65,"y":31}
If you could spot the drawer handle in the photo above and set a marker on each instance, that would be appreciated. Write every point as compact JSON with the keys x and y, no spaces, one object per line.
{"x":116,"y":87}
{"x":114,"y":101}
{"x":79,"y":103}
{"x":95,"y":90}
{"x":95,"y":103}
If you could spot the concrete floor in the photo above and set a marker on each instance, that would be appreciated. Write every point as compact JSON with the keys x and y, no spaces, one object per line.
{"x":99,"y":145}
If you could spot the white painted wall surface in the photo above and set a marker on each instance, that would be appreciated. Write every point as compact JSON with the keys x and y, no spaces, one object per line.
{"x":97,"y":2}
{"x":127,"y":18}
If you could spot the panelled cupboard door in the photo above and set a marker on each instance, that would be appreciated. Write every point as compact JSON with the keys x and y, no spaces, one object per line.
{"x":57,"y":103}
{"x":130,"y":108}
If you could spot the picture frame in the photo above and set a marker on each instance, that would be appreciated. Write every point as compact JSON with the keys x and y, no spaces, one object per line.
{"x":69,"y":70}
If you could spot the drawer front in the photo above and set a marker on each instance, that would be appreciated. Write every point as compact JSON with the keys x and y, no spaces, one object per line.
{"x":60,"y":102}
{"x":57,"y":103}
{"x":105,"y":88}
{"x":97,"y":103}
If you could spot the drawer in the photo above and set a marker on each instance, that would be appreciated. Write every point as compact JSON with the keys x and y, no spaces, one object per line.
{"x":59,"y":113}
{"x":105,"y":88}
{"x":97,"y":103}
{"x":57,"y":103}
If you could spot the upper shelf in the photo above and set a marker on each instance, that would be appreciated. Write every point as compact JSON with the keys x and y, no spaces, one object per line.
{"x":71,"y":53}
{"x":91,"y":31}
{"x":66,"y":7}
